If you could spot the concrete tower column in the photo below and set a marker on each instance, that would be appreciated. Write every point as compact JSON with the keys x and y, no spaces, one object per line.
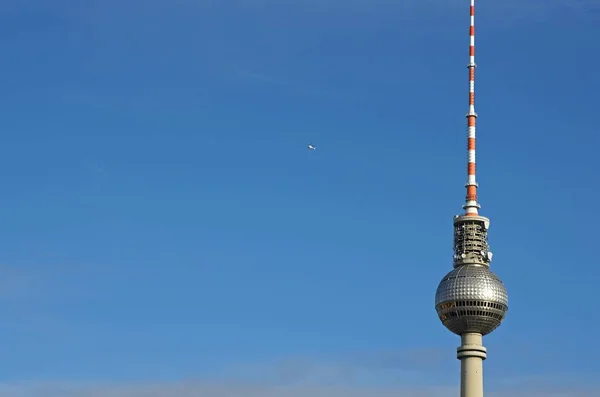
{"x":471,"y":354}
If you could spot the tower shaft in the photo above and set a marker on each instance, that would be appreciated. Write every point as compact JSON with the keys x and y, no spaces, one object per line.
{"x":471,"y":301}
{"x":471,"y":354}
{"x":471,"y":206}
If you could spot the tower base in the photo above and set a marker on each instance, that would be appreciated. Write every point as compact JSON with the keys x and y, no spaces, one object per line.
{"x":471,"y":354}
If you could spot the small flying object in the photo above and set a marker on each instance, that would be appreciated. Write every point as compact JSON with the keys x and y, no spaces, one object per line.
{"x":311,"y":146}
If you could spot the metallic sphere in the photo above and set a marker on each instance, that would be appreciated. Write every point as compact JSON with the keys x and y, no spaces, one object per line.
{"x":471,"y":299}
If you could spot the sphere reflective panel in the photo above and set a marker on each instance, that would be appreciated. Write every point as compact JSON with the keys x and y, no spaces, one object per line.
{"x":471,"y":298}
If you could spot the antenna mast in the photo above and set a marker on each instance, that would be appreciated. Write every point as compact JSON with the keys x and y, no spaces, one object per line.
{"x":471,"y":206}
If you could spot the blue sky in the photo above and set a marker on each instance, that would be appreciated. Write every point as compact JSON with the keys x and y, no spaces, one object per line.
{"x":165,"y":230}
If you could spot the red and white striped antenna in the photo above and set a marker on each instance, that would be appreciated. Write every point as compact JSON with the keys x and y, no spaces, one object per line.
{"x":471,"y":206}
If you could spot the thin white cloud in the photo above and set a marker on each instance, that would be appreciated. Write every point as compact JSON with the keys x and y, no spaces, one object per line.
{"x":309,"y":378}
{"x":200,"y":389}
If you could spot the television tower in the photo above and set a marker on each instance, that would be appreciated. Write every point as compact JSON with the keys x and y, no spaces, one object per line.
{"x":471,"y":301}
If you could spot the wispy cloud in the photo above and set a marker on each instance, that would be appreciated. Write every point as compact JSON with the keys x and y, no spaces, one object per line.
{"x":201,"y":389}
{"x":304,"y":377}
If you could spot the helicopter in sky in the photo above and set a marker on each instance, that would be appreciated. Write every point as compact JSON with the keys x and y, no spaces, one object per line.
{"x":311,"y":146}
